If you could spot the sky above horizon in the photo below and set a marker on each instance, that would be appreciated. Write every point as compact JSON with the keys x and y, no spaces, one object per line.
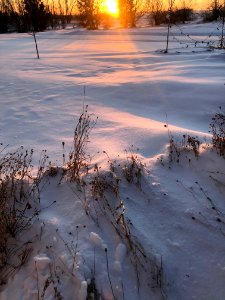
{"x":195,"y":4}
{"x":200,"y":4}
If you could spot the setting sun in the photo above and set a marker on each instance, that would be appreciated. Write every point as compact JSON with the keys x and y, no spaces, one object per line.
{"x":111,"y":6}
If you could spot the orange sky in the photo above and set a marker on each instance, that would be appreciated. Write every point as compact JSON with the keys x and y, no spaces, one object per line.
{"x":195,"y":4}
{"x":200,"y":4}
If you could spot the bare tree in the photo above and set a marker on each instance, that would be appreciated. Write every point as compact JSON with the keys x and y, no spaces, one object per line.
{"x":215,"y":11}
{"x":53,"y":13}
{"x":215,"y":6}
{"x":131,"y":11}
{"x":157,"y":13}
{"x":89,"y":11}
{"x":66,"y":9}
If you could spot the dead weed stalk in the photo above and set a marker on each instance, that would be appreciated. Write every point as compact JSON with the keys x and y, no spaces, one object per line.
{"x":78,"y":157}
{"x":106,"y":193}
{"x":217,"y":128}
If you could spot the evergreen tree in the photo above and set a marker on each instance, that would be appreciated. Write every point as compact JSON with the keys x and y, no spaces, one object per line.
{"x":38,"y":16}
{"x":4,"y":16}
{"x":4,"y":20}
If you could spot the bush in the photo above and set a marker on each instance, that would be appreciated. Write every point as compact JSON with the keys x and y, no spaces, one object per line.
{"x":216,"y":12}
{"x":159,"y":17}
{"x":78,"y":156}
{"x":217,"y":128}
{"x":182,"y":15}
{"x":19,"y":195}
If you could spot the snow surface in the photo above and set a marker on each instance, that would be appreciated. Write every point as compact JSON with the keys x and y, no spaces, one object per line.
{"x":134,"y":89}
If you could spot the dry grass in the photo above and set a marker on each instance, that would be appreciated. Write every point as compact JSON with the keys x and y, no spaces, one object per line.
{"x":133,"y":167}
{"x":19,"y":197}
{"x":217,"y":128}
{"x":78,"y":157}
{"x":186,"y":144}
{"x":108,"y":204}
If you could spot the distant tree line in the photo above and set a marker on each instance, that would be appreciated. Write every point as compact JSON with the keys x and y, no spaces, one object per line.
{"x":23,"y":16}
{"x":37,"y":15}
{"x":131,"y":11}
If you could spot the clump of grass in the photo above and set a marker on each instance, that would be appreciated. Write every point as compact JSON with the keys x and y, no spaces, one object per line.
{"x":15,"y":174}
{"x":108,"y":205}
{"x":133,"y":167}
{"x":102,"y":182}
{"x":217,"y":128}
{"x":187,"y":143}
{"x":192,"y":144}
{"x":78,"y":157}
{"x":19,"y":195}
{"x":18,"y":189}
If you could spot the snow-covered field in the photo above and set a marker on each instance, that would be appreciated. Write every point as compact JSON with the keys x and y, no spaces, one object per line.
{"x":177,"y":216}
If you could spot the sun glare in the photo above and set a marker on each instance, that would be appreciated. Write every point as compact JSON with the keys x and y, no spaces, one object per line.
{"x":111,"y":6}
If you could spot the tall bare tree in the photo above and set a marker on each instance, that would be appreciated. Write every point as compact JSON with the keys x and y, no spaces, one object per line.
{"x":89,"y":11}
{"x":66,"y":8}
{"x":157,"y":11}
{"x":131,"y":11}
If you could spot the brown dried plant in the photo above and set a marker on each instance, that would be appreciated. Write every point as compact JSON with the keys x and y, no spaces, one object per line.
{"x":19,"y":195}
{"x":217,"y":128}
{"x":78,"y":157}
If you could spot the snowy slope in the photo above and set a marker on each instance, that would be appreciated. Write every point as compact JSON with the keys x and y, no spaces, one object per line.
{"x":176,"y":217}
